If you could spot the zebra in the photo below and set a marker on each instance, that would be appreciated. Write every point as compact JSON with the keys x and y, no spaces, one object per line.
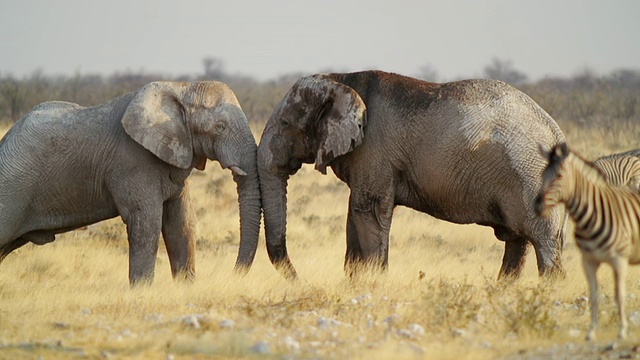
{"x":607,"y":221}
{"x":621,"y":169}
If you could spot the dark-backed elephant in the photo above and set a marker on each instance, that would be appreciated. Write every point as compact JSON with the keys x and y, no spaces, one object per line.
{"x":64,"y":166}
{"x":464,"y":152}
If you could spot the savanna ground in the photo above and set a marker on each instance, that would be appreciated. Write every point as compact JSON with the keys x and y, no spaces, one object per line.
{"x":440,"y":298}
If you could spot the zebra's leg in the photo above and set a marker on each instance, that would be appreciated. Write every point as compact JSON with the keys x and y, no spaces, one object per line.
{"x":620,"y":266}
{"x":590,"y":269}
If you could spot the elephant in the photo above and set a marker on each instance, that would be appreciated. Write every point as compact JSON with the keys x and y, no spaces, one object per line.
{"x":435,"y":148}
{"x":64,"y":166}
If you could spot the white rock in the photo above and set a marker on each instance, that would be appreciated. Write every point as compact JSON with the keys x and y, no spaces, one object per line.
{"x":327,"y":323}
{"x":416,"y":329}
{"x":291,"y":343}
{"x":459,"y":332}
{"x":227,"y":324}
{"x":154,"y":317}
{"x":191,"y":321}
{"x":261,"y":347}
{"x":574,"y":333}
{"x":390,"y":320}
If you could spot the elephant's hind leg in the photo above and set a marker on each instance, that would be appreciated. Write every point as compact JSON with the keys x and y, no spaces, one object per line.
{"x":13,"y":245}
{"x":515,"y":253}
{"x":547,"y":237}
{"x":515,"y":256}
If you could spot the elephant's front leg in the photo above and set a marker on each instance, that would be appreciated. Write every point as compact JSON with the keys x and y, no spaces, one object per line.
{"x":368,"y":225}
{"x":178,"y":232}
{"x":143,"y":228}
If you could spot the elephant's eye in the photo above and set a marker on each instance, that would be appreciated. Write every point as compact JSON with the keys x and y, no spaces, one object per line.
{"x":285,"y":122}
{"x":220,"y":126}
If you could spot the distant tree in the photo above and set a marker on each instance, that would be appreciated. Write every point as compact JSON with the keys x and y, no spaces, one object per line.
{"x":213,"y":68}
{"x":626,"y":78}
{"x":503,"y":70}
{"x":428,"y":73}
{"x":586,"y":79}
{"x":14,"y":96}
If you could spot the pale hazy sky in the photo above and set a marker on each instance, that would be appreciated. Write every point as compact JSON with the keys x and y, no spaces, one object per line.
{"x":266,"y":39}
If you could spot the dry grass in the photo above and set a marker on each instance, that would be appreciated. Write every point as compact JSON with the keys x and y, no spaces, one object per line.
{"x":439,"y":299}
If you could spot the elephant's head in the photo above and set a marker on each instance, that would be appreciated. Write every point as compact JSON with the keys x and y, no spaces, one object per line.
{"x":318,"y":120}
{"x":184,"y":124}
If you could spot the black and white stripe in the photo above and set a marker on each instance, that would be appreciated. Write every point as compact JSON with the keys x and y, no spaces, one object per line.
{"x":607,"y":221}
{"x":621,"y":169}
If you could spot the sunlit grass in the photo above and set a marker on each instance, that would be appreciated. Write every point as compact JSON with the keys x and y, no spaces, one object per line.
{"x":439,"y":298}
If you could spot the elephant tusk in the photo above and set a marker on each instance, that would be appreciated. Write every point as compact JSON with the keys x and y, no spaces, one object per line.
{"x":236,"y":170}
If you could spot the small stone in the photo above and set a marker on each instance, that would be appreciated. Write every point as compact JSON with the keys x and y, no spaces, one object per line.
{"x":574,"y":333}
{"x":86,"y":312}
{"x":405,"y":333}
{"x":191,"y":321}
{"x":227,"y":324}
{"x":154,"y":317}
{"x":327,"y":323}
{"x":390,"y":320}
{"x":291,"y":343}
{"x":484,"y":344}
{"x":261,"y":347}
{"x":416,"y":329}
{"x":459,"y":332}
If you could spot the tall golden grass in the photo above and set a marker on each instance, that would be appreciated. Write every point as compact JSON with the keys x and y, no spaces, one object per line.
{"x":439,"y":299}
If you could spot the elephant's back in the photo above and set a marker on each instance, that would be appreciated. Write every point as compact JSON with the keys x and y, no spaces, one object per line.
{"x":55,"y":130}
{"x":493,"y":103}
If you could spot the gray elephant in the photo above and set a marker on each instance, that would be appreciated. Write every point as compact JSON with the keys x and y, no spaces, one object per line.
{"x":435,"y":148}
{"x":64,"y":166}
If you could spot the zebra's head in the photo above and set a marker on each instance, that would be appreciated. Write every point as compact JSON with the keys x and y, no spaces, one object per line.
{"x":550,"y":193}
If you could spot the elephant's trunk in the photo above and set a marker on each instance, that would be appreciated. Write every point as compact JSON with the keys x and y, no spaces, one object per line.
{"x":248,"y":188}
{"x":274,"y":198}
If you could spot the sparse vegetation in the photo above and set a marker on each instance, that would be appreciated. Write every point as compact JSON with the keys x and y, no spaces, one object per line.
{"x":439,"y":299}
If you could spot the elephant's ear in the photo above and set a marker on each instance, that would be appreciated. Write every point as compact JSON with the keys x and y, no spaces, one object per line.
{"x":155,"y":119}
{"x":341,"y":121}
